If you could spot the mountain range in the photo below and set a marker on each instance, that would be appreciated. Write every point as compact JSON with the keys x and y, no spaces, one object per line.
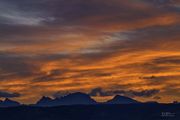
{"x":77,"y":98}
{"x":71,"y":99}
{"x":81,"y":99}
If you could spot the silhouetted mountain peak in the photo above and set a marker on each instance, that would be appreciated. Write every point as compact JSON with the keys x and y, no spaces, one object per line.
{"x":76,"y":98}
{"x":121,"y":97}
{"x":176,"y":102}
{"x":44,"y":98}
{"x":118,"y":99}
{"x":7,"y":100}
{"x":9,"y":103}
{"x":44,"y":101}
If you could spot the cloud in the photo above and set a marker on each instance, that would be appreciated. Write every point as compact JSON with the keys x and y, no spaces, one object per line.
{"x":4,"y":94}
{"x":132,"y":93}
{"x":50,"y":76}
{"x":13,"y":66}
{"x":12,"y":14}
{"x":145,"y":93}
{"x":99,"y":92}
{"x":61,"y":94}
{"x":157,"y":97}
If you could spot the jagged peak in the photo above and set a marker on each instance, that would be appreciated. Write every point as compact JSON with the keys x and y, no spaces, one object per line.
{"x":8,"y":100}
{"x":45,"y":98}
{"x":120,"y":97}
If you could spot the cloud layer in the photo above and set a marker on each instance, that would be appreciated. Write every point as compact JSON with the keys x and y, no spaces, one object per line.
{"x":145,"y":93}
{"x":4,"y":94}
{"x":130,"y":46}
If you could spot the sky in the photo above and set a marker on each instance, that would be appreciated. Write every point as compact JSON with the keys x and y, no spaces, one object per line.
{"x":100,"y":47}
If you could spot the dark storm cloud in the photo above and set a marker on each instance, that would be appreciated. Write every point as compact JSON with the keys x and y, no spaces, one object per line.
{"x":145,"y":93}
{"x":132,"y":93}
{"x":4,"y":94}
{"x":157,"y":32}
{"x":100,"y":92}
{"x":20,"y":13}
{"x":65,"y":13}
{"x":157,"y":97}
{"x":161,"y":64}
{"x":52,"y":75}
{"x":15,"y":65}
{"x":168,"y":60}
{"x":74,"y":12}
{"x":58,"y":74}
{"x":52,"y":17}
{"x":148,"y":38}
{"x":92,"y":73}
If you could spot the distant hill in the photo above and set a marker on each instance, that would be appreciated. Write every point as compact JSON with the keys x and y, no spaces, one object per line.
{"x":121,"y":100}
{"x":9,"y":103}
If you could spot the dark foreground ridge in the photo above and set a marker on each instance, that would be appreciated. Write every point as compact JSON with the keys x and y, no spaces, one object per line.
{"x":94,"y":112}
